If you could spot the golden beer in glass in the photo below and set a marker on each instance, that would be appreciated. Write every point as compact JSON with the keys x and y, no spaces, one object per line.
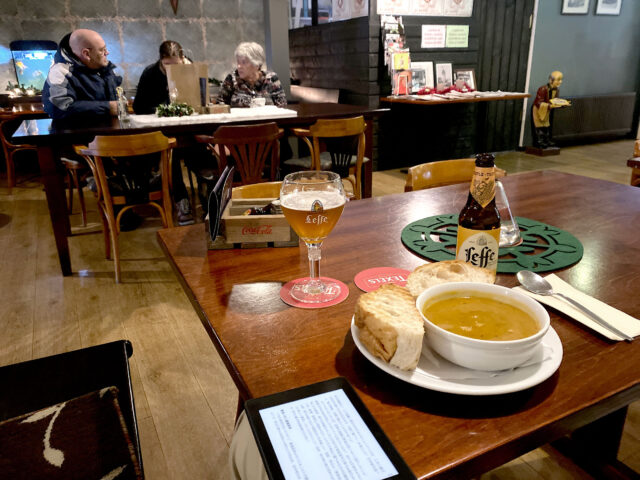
{"x":312,"y":202}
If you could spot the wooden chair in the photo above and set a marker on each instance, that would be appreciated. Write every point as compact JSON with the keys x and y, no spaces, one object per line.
{"x":257,"y":190}
{"x":116,"y":150}
{"x":7,"y":127}
{"x":342,"y":151}
{"x":444,"y":172}
{"x":75,"y":169}
{"x":247,"y":147}
{"x":634,"y":164}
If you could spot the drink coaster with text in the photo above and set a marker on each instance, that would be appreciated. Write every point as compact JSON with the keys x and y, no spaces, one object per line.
{"x":371,"y":279}
{"x":285,"y":294}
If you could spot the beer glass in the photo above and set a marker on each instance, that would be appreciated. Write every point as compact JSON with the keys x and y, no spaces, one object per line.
{"x":312,"y":202}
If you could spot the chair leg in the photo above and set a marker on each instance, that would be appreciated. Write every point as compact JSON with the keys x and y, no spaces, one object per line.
{"x":83,"y":208}
{"x":106,"y":231}
{"x":11,"y":172}
{"x":71,"y":185}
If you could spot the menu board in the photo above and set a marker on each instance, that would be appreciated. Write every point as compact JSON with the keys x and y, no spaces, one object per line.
{"x":322,"y":431}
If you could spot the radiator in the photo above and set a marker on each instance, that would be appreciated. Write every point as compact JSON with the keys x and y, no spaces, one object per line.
{"x":595,"y":116}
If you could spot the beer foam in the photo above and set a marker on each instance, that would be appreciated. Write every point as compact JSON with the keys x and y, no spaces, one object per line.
{"x":301,"y":200}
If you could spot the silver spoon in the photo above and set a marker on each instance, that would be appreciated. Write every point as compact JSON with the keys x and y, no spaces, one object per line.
{"x":538,"y":285}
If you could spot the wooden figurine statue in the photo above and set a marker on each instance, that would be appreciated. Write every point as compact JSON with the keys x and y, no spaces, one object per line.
{"x":546,"y":100}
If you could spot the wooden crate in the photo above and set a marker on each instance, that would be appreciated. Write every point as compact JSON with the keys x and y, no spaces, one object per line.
{"x":252,"y":231}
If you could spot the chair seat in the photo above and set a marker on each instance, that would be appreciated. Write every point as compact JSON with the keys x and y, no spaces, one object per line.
{"x":325,"y":161}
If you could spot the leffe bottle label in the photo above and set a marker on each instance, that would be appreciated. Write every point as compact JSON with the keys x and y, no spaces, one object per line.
{"x":483,"y":185}
{"x":478,"y":247}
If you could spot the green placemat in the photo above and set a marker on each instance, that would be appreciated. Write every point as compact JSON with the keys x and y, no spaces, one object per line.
{"x":543,"y":246}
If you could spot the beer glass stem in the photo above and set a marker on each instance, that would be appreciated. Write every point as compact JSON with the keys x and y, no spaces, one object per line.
{"x":314,"y":285}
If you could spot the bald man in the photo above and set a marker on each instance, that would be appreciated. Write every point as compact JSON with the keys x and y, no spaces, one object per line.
{"x":81,"y":82}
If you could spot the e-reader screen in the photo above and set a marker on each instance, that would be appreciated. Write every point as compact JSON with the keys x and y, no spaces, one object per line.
{"x":322,"y":431}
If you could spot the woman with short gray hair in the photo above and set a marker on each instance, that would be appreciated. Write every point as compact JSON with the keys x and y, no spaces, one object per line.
{"x":251,"y":80}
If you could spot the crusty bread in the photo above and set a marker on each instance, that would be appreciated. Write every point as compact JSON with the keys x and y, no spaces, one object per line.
{"x":431,"y":274}
{"x":391,"y":327}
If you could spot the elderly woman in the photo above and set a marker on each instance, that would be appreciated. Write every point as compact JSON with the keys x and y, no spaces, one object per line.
{"x":251,"y":80}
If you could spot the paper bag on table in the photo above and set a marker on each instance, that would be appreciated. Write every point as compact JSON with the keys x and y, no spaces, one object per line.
{"x":185,"y":79}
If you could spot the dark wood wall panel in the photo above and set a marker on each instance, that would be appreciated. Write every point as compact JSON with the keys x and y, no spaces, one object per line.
{"x":498,"y":49}
{"x":340,"y":55}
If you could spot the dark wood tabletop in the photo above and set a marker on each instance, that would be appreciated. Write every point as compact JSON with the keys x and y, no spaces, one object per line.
{"x":52,"y":137}
{"x":270,"y":347}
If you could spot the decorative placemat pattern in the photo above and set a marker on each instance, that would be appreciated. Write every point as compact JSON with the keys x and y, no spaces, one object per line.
{"x":543,"y":248}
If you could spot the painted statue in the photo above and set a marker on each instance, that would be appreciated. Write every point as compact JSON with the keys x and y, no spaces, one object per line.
{"x":546,"y":100}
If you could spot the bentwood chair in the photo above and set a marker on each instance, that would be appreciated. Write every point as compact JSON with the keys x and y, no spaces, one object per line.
{"x":253,"y":150}
{"x":441,"y":173}
{"x":257,"y":190}
{"x":7,"y":127}
{"x":336,"y":145}
{"x":123,"y":168}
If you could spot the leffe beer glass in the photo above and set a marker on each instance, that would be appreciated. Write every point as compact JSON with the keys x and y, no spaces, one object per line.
{"x":312,"y":202}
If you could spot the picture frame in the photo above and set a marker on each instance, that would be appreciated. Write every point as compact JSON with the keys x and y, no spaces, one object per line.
{"x":444,"y":76}
{"x":466,"y":75}
{"x":421,"y":76}
{"x":575,"y":7}
{"x":608,"y":7}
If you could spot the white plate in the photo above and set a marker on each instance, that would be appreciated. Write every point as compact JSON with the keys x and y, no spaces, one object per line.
{"x":428,"y":374}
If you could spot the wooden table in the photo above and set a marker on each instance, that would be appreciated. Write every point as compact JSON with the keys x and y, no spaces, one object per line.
{"x":268,"y":346}
{"x":52,"y":136}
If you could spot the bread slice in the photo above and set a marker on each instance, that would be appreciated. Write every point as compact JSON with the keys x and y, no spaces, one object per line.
{"x":431,"y":274}
{"x":391,"y":327}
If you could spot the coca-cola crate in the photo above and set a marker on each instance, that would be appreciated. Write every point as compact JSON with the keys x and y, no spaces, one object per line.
{"x":252,"y":231}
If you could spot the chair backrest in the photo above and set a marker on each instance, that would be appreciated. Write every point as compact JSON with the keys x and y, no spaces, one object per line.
{"x":343,"y":138}
{"x":250,"y":147}
{"x":441,"y":173}
{"x":103,"y":152}
{"x":314,"y":95}
{"x":257,"y":190}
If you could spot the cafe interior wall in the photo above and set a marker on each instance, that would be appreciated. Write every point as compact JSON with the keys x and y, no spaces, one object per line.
{"x":598,"y":54}
{"x":209,"y":30}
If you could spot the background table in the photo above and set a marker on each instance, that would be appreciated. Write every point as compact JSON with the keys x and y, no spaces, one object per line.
{"x":52,"y":136}
{"x":269,"y":347}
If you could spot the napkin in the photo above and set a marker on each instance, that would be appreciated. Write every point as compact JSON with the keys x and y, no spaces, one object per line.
{"x":623,"y":322}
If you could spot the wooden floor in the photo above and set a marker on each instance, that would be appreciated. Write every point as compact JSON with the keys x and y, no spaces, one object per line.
{"x":185,"y":400}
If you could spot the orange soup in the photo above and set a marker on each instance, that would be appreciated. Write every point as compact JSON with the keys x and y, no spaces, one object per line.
{"x":480,"y":317}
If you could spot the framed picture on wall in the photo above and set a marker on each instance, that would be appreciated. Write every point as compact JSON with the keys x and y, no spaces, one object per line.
{"x":608,"y":7}
{"x":444,"y":76}
{"x":575,"y":7}
{"x":465,"y":75}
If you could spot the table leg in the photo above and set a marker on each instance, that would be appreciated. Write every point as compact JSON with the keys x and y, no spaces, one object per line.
{"x":594,"y":447}
{"x":54,"y":189}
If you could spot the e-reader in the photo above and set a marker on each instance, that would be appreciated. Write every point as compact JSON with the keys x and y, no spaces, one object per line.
{"x":323,"y":431}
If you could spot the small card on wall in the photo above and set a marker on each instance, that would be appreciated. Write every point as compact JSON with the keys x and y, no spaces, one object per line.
{"x":433,"y":36}
{"x":457,"y":36}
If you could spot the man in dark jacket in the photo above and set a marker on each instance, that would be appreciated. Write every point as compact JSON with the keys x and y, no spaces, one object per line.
{"x":81,"y":82}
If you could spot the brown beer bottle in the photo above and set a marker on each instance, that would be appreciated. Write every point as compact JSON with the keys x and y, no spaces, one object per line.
{"x":479,"y":220}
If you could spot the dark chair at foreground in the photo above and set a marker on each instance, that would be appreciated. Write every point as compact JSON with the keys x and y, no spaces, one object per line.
{"x":336,"y":145}
{"x":441,"y":173}
{"x":45,"y":382}
{"x":126,"y":157}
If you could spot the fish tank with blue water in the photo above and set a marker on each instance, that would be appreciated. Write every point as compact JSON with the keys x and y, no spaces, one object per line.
{"x":32,"y":60}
